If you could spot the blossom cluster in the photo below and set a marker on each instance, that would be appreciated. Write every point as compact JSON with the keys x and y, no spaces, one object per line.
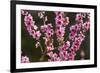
{"x":24,"y":59}
{"x":60,"y":22}
{"x":66,"y":49}
{"x":47,"y":30}
{"x":30,"y":26}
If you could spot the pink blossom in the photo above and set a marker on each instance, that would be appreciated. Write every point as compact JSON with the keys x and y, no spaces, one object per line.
{"x":60,"y":31}
{"x":49,"y":26}
{"x":78,"y":26}
{"x":28,"y":20}
{"x":43,"y":28}
{"x":25,"y":59}
{"x":65,"y":46}
{"x":50,"y":54}
{"x":58,"y":59}
{"x":35,"y":27}
{"x":79,"y":17}
{"x":48,"y":30}
{"x":78,"y":40}
{"x":53,"y":57}
{"x":59,"y":17}
{"x":30,"y":31}
{"x":49,"y":33}
{"x":49,"y":48}
{"x":31,"y":27}
{"x":72,"y":35}
{"x":63,"y":55}
{"x":37,"y":35}
{"x":66,"y":21}
{"x":59,"y":22}
{"x":71,"y":55}
{"x":41,"y":14}
{"x":73,"y":30}
{"x":59,"y":13}
{"x":23,"y":12}
{"x":86,"y":26}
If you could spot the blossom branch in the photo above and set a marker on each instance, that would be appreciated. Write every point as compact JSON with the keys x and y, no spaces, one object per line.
{"x":66,"y":50}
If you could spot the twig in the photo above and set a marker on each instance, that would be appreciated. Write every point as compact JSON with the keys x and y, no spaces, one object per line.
{"x":41,"y":48}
